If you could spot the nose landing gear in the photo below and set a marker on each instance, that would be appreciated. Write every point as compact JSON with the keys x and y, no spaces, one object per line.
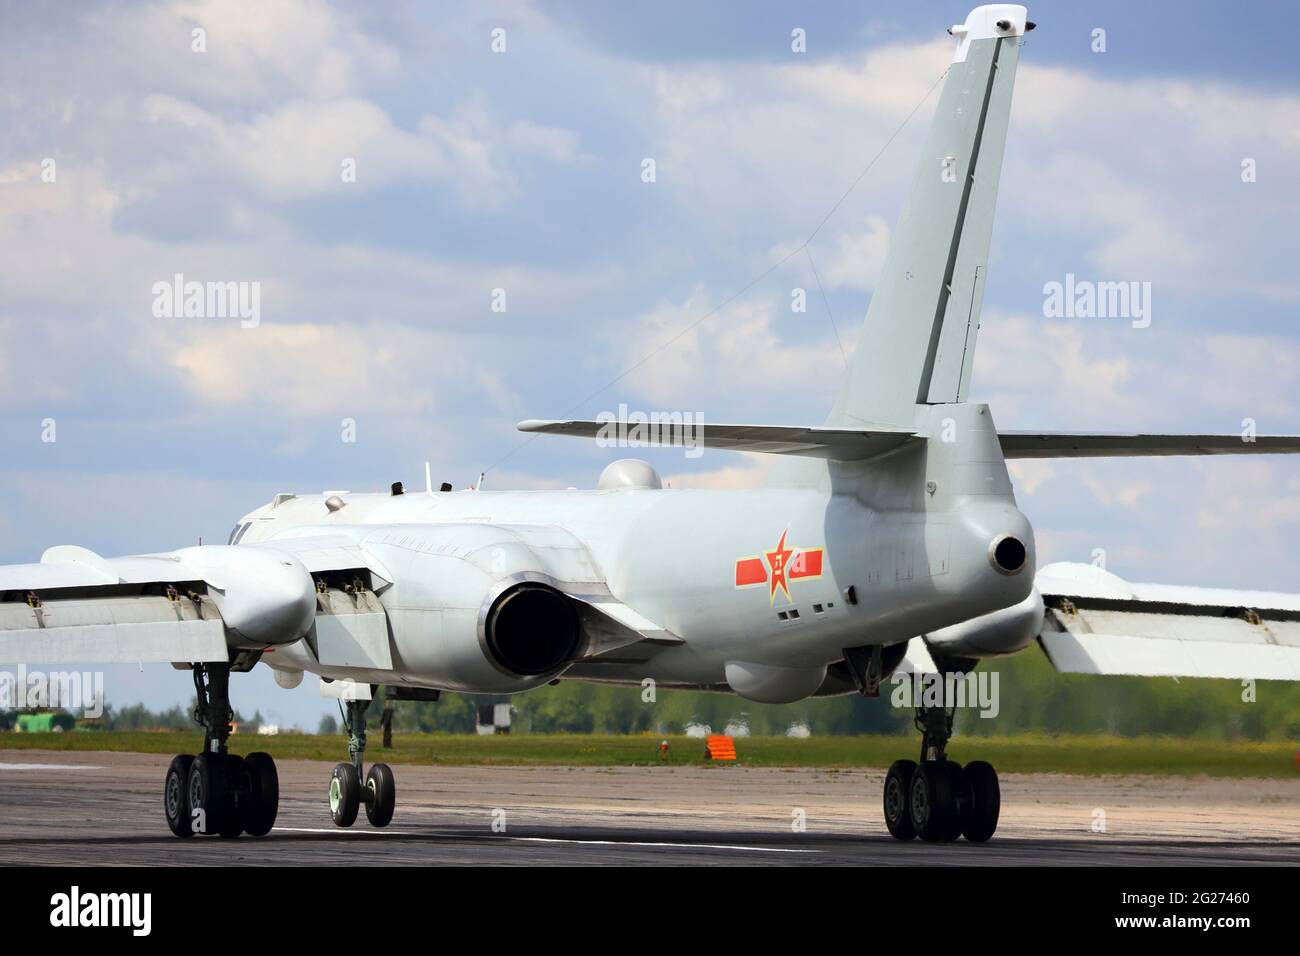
{"x":347,"y":792}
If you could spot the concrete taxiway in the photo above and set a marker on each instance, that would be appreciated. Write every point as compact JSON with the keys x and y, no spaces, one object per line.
{"x":106,"y":809}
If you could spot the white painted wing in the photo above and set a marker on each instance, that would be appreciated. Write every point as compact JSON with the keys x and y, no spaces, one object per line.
{"x":1097,"y":623}
{"x":78,"y":608}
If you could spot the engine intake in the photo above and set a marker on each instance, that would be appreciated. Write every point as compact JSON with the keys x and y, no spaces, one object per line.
{"x":532,"y":629}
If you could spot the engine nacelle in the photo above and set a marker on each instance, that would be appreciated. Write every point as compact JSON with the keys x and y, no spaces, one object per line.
{"x":997,"y":634}
{"x":266,"y":598}
{"x":479,"y":607}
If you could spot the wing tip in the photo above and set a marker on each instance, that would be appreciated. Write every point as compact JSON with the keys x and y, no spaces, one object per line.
{"x":533,"y":424}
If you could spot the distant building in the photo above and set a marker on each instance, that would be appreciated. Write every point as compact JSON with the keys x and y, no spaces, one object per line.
{"x":493,"y":718}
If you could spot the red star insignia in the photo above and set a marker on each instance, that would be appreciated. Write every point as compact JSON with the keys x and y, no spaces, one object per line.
{"x":777,"y":560}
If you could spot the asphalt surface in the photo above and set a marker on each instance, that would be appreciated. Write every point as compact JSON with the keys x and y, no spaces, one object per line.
{"x":106,"y":809}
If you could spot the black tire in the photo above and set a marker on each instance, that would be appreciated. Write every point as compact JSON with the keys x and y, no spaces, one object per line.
{"x":986,"y":802}
{"x":960,"y":798}
{"x":345,"y":794}
{"x":263,"y":794}
{"x":232,"y":820}
{"x":931,"y":802}
{"x":176,"y":800}
{"x":383,"y":787}
{"x":208,"y":793}
{"x":897,"y":799}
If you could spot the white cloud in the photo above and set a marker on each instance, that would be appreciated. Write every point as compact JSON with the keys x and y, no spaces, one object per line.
{"x":306,"y":369}
{"x":748,"y":471}
{"x":858,"y":256}
{"x":1084,"y":373}
{"x":734,"y":360}
{"x":1030,"y":474}
{"x":255,"y":50}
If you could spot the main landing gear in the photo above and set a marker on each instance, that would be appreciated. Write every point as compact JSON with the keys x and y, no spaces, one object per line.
{"x":938,"y":799}
{"x":219,"y":792}
{"x":347,"y":791}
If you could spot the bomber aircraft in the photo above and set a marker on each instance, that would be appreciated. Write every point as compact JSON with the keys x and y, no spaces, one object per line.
{"x":888,"y":534}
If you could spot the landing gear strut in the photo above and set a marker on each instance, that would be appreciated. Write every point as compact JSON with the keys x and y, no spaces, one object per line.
{"x":347,"y":791}
{"x":937,"y":799}
{"x":216,"y":791}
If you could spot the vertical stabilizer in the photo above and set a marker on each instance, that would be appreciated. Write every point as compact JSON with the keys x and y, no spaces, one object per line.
{"x":918,"y":341}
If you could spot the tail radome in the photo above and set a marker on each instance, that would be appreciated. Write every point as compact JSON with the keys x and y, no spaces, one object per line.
{"x":918,"y":341}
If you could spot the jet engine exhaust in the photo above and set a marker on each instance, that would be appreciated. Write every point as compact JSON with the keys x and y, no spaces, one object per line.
{"x":532,"y":629}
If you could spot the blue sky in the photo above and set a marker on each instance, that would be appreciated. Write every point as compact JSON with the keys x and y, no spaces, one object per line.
{"x":522,"y":170}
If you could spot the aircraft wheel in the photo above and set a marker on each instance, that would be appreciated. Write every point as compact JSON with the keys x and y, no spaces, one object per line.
{"x":176,"y":803}
{"x":263,"y":794}
{"x":986,"y":802}
{"x":931,"y":803}
{"x":383,"y":795}
{"x":345,"y":794}
{"x":232,"y":818}
{"x":208,"y":793}
{"x":961,"y":800}
{"x":898,"y":786}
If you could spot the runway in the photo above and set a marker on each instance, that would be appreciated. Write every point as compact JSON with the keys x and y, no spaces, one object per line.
{"x":62,"y":808}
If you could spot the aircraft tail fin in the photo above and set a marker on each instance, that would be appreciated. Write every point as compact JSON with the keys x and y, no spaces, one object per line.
{"x":918,"y":341}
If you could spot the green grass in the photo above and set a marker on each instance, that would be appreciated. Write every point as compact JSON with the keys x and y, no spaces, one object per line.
{"x":1031,"y":753}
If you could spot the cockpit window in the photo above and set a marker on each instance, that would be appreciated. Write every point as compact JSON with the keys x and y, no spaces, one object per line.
{"x":239,"y":532}
{"x":233,"y":531}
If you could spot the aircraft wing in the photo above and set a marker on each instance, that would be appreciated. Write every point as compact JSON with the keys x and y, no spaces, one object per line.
{"x":842,"y":444}
{"x":197,"y":604}
{"x":1021,"y":444}
{"x":77,"y":607}
{"x":1097,"y":623}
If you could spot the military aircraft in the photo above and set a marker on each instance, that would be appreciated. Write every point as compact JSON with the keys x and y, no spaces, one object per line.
{"x":890,"y":526}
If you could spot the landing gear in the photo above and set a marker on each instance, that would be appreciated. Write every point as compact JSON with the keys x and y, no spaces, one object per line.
{"x":347,"y":793}
{"x":216,"y":791}
{"x":937,"y":799}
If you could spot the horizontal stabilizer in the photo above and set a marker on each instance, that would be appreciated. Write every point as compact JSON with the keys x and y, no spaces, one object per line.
{"x":844,"y":444}
{"x":1020,"y":444}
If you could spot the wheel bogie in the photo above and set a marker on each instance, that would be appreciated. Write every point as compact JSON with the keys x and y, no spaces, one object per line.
{"x":941,"y":801}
